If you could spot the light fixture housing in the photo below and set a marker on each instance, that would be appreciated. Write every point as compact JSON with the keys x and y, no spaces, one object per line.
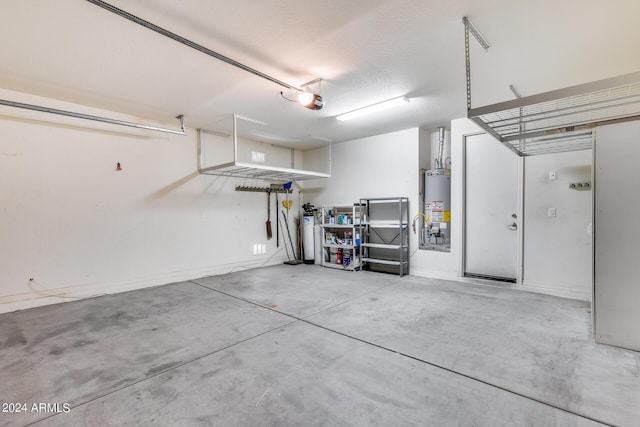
{"x":390,"y":103}
{"x":311,"y":100}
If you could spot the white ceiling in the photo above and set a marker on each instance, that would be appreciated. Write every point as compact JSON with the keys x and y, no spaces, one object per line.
{"x":365,"y":51}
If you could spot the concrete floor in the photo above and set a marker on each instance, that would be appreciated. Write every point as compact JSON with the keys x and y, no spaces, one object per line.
{"x":304,"y":346}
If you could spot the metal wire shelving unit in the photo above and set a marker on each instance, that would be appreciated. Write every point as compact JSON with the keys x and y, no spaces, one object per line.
{"x":561,"y":120}
{"x":555,"y":121}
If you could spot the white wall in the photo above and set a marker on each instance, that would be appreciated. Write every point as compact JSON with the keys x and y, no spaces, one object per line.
{"x":379,"y":166}
{"x":557,"y":251}
{"x":79,"y":228}
{"x":424,"y":148}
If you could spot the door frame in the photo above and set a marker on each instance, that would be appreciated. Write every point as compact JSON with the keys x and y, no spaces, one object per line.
{"x":519,"y":212}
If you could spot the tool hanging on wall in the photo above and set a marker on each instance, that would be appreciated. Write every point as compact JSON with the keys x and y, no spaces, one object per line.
{"x":294,"y":261}
{"x":273,"y":189}
{"x":278,"y":219}
{"x":269,"y":235}
{"x":277,"y":223}
{"x":287,"y":204}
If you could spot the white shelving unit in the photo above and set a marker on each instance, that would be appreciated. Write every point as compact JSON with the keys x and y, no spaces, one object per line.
{"x":384,"y":230}
{"x":228,"y":150}
{"x":340,"y":236}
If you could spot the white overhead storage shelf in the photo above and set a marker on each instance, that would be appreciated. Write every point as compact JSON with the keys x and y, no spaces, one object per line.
{"x":257,"y":171}
{"x":248,"y":153}
{"x":560,"y":120}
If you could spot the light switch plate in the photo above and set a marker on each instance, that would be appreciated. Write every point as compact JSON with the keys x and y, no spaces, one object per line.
{"x":551,"y":212}
{"x":257,"y":156}
{"x":553,"y":175}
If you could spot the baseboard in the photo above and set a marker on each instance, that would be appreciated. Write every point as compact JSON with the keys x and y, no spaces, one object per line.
{"x":462,"y":279}
{"x":38,"y":298}
{"x":557,"y":290}
{"x":527,"y":286}
{"x":434,"y":274}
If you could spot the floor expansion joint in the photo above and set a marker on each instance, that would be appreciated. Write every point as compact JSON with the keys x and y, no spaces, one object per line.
{"x":400,"y":353}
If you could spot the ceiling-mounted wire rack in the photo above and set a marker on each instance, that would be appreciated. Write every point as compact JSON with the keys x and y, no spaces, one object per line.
{"x":558,"y":120}
{"x":269,"y":173}
{"x":234,"y":167}
{"x":561,"y":120}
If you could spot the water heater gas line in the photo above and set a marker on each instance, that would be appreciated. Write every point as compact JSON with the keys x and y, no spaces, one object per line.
{"x":418,"y":215}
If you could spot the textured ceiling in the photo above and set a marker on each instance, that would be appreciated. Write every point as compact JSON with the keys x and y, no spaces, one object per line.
{"x":365,"y":50}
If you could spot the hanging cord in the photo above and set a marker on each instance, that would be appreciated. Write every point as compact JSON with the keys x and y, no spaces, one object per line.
{"x":288,"y":99}
{"x":414,"y":252}
{"x":43,"y":291}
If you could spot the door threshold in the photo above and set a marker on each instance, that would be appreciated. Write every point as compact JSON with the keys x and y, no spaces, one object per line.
{"x":494,"y":278}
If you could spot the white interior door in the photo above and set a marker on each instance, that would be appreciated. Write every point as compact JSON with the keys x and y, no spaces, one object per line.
{"x":491,"y":207}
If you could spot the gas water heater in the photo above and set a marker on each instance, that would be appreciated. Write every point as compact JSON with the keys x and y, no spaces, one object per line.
{"x":437,"y":206}
{"x":437,"y":202}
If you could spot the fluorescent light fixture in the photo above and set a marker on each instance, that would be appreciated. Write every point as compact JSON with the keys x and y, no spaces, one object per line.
{"x":394,"y":102}
{"x":249,"y":119}
{"x":319,"y":138}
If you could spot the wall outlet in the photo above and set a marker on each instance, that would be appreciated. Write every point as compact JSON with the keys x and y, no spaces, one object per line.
{"x":553,"y":175}
{"x":259,"y":249}
{"x":551,"y":212}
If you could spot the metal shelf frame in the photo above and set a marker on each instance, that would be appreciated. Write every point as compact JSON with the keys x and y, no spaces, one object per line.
{"x":392,"y":250}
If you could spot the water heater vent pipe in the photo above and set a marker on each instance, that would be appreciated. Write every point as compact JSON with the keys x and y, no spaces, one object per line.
{"x":439,"y":164}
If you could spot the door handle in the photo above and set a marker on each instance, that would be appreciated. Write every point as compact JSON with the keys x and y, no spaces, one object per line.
{"x":513,"y":226}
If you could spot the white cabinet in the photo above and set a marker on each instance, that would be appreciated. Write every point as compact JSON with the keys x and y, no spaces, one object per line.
{"x":616,"y":235}
{"x":340,"y":237}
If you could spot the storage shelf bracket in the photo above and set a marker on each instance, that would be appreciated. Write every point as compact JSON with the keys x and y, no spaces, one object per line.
{"x":262,"y":189}
{"x":94,"y":118}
